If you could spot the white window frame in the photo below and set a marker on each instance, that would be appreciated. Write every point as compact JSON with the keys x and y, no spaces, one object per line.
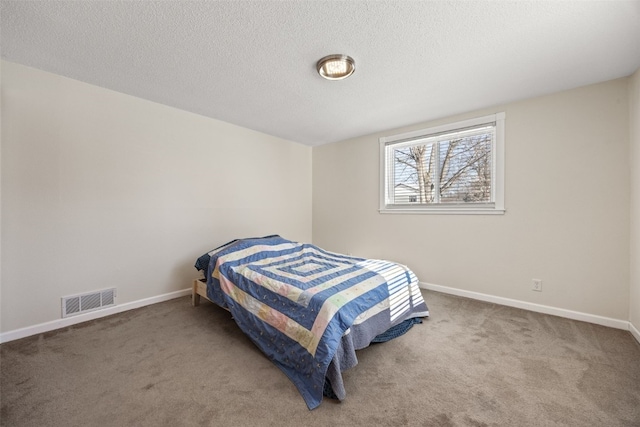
{"x":497,"y":175}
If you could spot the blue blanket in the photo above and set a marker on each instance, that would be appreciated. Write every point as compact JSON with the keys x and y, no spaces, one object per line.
{"x":300,"y":304}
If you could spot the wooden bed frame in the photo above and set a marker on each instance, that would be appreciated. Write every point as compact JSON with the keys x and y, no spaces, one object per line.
{"x":199,"y":290}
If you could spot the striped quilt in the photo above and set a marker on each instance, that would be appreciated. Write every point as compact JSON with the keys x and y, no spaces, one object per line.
{"x":296,"y":302}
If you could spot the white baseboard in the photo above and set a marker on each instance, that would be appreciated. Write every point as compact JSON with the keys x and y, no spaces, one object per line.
{"x":635,"y":332}
{"x":69,"y":321}
{"x":569,"y":314}
{"x":539,"y":308}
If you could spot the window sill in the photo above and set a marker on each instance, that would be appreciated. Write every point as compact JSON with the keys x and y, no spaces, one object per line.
{"x":443,"y":211}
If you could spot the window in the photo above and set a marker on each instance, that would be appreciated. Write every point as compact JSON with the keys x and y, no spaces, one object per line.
{"x":455,"y":168}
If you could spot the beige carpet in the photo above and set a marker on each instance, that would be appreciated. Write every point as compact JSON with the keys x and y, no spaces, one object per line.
{"x":470,"y":364}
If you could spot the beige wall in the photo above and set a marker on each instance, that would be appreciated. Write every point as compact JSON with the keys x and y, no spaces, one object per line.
{"x":101,"y":189}
{"x":634,"y":110}
{"x":567,"y":200}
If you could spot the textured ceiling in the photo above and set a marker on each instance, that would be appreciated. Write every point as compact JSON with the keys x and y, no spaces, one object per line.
{"x":252,"y":63}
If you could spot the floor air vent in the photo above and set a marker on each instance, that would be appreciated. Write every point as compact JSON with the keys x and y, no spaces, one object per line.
{"x":83,"y":303}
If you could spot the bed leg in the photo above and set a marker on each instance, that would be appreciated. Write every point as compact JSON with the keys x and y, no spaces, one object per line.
{"x":195,"y":297}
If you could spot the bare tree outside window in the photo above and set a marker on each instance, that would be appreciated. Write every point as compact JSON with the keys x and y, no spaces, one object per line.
{"x":453,"y":168}
{"x":447,"y":171}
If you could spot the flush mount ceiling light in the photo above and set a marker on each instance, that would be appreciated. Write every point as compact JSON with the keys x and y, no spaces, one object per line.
{"x":336,"y":67}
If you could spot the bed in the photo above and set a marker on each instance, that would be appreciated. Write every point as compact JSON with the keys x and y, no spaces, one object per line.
{"x":308,"y":310}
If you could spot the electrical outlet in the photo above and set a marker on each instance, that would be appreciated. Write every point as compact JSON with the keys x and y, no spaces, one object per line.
{"x":536,"y":285}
